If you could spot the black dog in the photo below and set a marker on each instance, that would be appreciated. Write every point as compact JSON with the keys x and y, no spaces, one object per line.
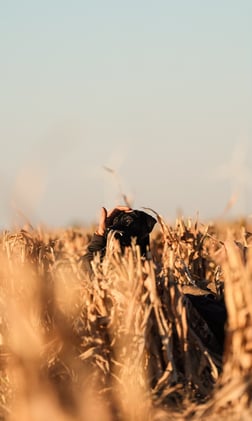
{"x":126,"y":225}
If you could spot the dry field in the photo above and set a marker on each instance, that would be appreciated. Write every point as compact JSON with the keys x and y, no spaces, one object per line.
{"x":126,"y":346}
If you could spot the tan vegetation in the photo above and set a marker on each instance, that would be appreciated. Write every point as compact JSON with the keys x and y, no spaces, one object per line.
{"x":126,"y":346}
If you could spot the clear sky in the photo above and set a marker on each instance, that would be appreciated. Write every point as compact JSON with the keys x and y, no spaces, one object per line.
{"x":159,"y":91}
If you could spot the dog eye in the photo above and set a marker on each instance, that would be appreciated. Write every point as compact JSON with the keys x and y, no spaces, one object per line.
{"x":127,"y":220}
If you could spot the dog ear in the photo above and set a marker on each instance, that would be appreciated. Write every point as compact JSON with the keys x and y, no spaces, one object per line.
{"x":149,"y":221}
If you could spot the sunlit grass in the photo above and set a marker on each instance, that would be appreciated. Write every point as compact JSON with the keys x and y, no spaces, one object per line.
{"x":123,"y":346}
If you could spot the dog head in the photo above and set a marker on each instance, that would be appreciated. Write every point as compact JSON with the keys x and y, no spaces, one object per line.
{"x":134,"y":224}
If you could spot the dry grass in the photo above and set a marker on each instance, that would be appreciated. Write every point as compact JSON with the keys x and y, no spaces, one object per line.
{"x":126,"y":346}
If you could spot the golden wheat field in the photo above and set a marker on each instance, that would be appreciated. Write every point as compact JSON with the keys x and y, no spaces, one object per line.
{"x":124,"y":346}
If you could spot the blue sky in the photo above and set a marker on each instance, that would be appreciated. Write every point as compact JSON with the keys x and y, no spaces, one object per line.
{"x":159,"y":91}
